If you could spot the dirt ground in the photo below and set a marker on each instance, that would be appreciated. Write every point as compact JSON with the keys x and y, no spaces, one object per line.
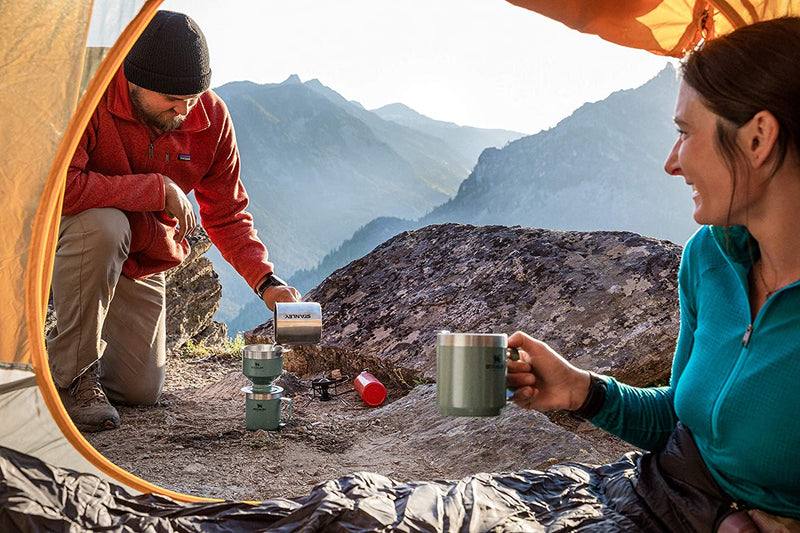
{"x":195,"y":440}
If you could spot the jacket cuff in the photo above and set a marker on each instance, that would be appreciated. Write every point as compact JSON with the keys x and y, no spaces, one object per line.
{"x":594,"y":400}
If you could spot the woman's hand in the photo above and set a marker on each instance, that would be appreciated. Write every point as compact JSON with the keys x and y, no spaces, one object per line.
{"x":738,"y":522}
{"x":542,"y":379}
{"x":758,"y":521}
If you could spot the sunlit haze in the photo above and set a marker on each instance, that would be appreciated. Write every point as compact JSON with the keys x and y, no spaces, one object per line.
{"x":482,"y":63}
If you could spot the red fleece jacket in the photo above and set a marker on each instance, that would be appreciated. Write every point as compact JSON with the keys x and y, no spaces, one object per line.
{"x":116,"y":165}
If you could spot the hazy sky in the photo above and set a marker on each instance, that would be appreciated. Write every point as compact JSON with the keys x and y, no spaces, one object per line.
{"x":482,"y":63}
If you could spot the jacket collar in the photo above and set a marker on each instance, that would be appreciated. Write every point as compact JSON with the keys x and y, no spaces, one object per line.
{"x":119,"y":105}
{"x":736,"y":243}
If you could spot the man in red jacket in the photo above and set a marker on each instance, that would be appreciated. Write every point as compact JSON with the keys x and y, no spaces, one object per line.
{"x":157,"y":134}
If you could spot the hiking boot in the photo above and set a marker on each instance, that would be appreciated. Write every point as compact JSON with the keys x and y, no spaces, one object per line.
{"x":87,"y":405}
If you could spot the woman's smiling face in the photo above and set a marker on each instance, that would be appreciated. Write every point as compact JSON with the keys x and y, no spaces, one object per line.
{"x":695,"y":157}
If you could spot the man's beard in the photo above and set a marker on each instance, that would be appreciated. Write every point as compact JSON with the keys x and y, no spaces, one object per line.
{"x":162,"y":122}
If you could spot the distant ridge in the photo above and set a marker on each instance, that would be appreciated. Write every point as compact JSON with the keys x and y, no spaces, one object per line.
{"x":601,"y":168}
{"x":470,"y":139}
{"x":318,"y":167}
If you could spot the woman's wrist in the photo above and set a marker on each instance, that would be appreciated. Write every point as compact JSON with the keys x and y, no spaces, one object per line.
{"x":593,"y":400}
{"x":579,"y":390}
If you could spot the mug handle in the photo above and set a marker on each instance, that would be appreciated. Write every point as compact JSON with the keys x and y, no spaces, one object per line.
{"x":289,"y":416}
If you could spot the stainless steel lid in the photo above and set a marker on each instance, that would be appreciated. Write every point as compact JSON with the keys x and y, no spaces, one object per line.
{"x":263,"y":351}
{"x":483,"y":340}
{"x":274,"y":393}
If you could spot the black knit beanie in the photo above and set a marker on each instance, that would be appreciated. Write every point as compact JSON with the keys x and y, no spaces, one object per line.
{"x":170,"y":57}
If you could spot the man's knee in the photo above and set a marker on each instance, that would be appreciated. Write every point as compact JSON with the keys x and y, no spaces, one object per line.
{"x":142,"y":396}
{"x":140,"y":392}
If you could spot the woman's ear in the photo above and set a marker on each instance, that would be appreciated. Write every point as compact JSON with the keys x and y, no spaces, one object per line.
{"x":758,"y":137}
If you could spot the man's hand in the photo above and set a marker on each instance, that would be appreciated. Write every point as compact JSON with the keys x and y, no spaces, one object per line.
{"x":177,"y":206}
{"x":280,"y":293}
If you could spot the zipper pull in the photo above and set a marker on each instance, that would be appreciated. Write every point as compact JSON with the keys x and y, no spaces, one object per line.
{"x":747,"y":334}
{"x":150,"y":150}
{"x":167,"y":157}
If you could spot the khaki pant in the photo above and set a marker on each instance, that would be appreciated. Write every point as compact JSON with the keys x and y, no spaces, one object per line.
{"x":104,"y":315}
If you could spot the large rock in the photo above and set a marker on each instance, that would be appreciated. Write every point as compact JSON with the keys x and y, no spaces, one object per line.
{"x":458,"y":446}
{"x":606,"y":300}
{"x":193,"y":295}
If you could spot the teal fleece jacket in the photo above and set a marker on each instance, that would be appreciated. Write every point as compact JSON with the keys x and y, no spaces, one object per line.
{"x":735,"y":381}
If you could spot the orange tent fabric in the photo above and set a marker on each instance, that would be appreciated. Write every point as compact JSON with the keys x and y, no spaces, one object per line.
{"x":663,"y":27}
{"x":43,"y":47}
{"x":43,"y":50}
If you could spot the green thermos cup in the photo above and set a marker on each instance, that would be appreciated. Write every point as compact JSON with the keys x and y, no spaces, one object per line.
{"x":471,"y":373}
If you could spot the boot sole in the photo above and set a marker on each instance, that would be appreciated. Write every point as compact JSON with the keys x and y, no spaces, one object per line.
{"x":104,"y":426}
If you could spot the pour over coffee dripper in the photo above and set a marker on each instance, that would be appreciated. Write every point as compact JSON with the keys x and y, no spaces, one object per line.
{"x":262,"y":364}
{"x":295,"y":323}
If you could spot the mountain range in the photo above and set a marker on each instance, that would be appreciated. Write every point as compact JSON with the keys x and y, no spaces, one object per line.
{"x":318,"y":166}
{"x":601,"y":168}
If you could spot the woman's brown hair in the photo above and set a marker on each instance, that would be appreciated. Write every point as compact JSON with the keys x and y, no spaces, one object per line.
{"x":754,"y":68}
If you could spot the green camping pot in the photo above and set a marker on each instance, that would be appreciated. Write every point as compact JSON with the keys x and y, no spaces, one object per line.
{"x":263,"y":410}
{"x":262,"y":364}
{"x":471,"y":373}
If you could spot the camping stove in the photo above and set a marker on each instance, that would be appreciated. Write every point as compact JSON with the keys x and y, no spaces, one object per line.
{"x":323,"y":385}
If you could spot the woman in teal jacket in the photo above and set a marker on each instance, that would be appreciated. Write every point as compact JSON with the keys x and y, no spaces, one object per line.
{"x":734,"y":393}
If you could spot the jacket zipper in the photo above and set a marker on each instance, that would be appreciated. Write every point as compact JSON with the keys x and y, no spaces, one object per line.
{"x":150,"y":150}
{"x":731,"y":377}
{"x":723,"y":393}
{"x":747,"y":333}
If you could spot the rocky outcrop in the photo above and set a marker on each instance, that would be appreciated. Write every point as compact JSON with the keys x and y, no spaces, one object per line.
{"x":460,"y":446}
{"x":606,"y":300}
{"x":193,"y":295}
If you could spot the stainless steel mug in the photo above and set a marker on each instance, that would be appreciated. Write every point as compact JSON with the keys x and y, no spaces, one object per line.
{"x":471,"y":373}
{"x":297,"y":323}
